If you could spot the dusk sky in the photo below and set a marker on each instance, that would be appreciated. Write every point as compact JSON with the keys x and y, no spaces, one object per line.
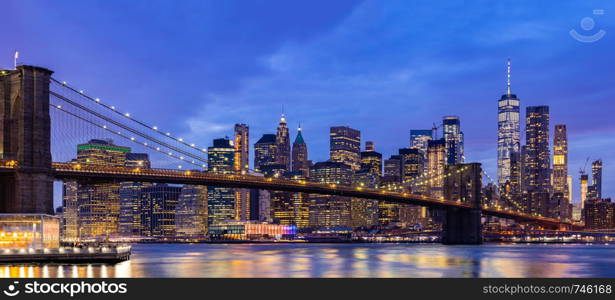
{"x":383,"y":67}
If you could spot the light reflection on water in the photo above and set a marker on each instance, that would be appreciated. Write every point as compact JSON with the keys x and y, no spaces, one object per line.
{"x":341,"y":260}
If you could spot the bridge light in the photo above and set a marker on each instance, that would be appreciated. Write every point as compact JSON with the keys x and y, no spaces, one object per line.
{"x":155,"y":127}
{"x":97,"y":99}
{"x":113,"y":107}
{"x":104,"y":126}
{"x":144,"y":144}
{"x":132,"y":138}
{"x":127,"y":115}
{"x":81,"y":91}
{"x":64,"y":82}
{"x":59,"y":106}
{"x":157,"y":148}
{"x":168,"y":133}
{"x":181,"y":157}
{"x":204,"y":150}
{"x":180,"y":139}
{"x":170,"y":153}
{"x":179,"y":167}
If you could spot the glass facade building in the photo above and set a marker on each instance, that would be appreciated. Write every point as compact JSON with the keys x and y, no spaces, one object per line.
{"x":345,"y":146}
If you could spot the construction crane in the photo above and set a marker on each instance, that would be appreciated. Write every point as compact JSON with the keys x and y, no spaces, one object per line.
{"x":582,"y":170}
{"x":434,"y":129}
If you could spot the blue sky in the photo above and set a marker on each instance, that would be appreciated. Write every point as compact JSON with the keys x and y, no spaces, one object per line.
{"x":384,"y":67}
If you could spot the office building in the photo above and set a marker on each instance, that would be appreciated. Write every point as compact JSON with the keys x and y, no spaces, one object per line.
{"x":509,"y":133}
{"x":158,"y":207}
{"x":453,"y":138}
{"x":265,"y":152}
{"x":241,"y":165}
{"x":282,"y":139}
{"x":560,"y":161}
{"x":537,"y":154}
{"x":220,"y":201}
{"x":345,"y":146}
{"x":300,"y":162}
{"x":371,"y":161}
{"x":191,"y":212}
{"x":326,"y":210}
{"x":419,"y":139}
{"x":436,"y":160}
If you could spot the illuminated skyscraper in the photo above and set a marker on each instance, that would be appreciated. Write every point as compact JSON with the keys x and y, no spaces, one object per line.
{"x":130,"y":198}
{"x":537,"y":154}
{"x":371,"y":161}
{"x":412,"y":163}
{"x":597,"y":179}
{"x":265,"y":152}
{"x":283,"y":144}
{"x":191,"y":213}
{"x":326,"y":210}
{"x":419,"y":139}
{"x":436,"y":160}
{"x":241,"y":165}
{"x":560,"y":161}
{"x":392,"y":168}
{"x":345,"y":146}
{"x":509,"y":137}
{"x":453,"y":137}
{"x":584,"y":182}
{"x":300,"y":155}
{"x":98,"y":205}
{"x":220,"y":201}
{"x":158,"y":207}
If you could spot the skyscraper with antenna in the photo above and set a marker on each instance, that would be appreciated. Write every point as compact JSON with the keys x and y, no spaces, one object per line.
{"x":508,"y":133}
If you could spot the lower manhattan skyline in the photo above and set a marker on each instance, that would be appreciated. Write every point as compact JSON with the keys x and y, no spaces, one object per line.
{"x":358,"y":138}
{"x":317,"y":70}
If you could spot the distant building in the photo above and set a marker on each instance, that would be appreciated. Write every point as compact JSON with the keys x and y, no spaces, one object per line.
{"x":220,"y":201}
{"x":326,"y":210}
{"x":241,"y":165}
{"x":412,"y":163}
{"x":97,"y":208}
{"x":300,"y":162}
{"x":392,"y":168}
{"x":371,"y":161}
{"x":130,"y":198}
{"x":345,"y":146}
{"x":599,"y":214}
{"x":560,"y":161}
{"x":419,"y":139}
{"x":583,"y":180}
{"x":265,"y":151}
{"x":283,"y":144}
{"x":436,"y":160}
{"x":191,"y":212}
{"x":509,"y":133}
{"x":537,"y":154}
{"x":596,"y":187}
{"x":158,"y":208}
{"x":453,"y":138}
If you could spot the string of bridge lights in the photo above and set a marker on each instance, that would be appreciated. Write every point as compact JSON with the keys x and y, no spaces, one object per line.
{"x":121,"y":125}
{"x":442,"y":176}
{"x":128,"y":116}
{"x":130,"y":138}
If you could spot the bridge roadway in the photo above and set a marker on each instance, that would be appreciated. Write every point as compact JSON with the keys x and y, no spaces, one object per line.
{"x":92,"y":173}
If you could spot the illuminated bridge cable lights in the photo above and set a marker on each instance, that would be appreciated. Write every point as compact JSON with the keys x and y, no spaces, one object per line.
{"x":132,"y":130}
{"x":132,"y":139}
{"x":128,"y":116}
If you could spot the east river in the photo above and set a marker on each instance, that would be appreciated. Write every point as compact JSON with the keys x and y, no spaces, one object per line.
{"x":343,"y":260}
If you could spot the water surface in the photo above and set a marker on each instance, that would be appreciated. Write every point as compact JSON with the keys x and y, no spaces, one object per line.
{"x":342,"y":260}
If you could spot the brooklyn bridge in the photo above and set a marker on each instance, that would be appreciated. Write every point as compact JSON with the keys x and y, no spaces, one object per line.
{"x":30,"y":94}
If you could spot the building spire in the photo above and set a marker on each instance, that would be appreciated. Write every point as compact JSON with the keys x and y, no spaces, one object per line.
{"x":508,"y":78}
